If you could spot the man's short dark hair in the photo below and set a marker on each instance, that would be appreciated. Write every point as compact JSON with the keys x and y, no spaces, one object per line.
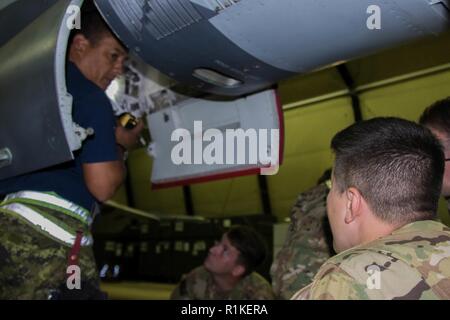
{"x":396,"y":164}
{"x":437,"y":116}
{"x":93,"y":26}
{"x":250,"y":245}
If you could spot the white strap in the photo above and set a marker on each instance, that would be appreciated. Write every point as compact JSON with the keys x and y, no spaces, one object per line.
{"x":46,"y":225}
{"x":49,"y":198}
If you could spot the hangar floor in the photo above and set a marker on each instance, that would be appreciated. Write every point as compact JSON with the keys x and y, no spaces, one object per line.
{"x":129,"y":290}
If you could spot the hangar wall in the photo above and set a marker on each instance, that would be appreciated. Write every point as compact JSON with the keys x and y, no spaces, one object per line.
{"x":399,"y":82}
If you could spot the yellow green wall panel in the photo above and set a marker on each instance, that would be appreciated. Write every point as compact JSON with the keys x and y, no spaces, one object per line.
{"x":231,"y":197}
{"x":164,"y":201}
{"x":405,"y":99}
{"x":419,"y":55}
{"x":308,"y":132}
{"x":309,"y":86}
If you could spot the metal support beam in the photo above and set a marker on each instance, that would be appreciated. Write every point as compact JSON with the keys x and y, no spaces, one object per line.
{"x":188,"y":203}
{"x":129,"y":189}
{"x":264,"y":193}
{"x":350,"y":83}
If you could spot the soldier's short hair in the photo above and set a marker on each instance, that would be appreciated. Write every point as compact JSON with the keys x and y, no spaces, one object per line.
{"x":396,"y":164}
{"x":437,"y":116}
{"x":93,"y":26}
{"x":251,"y":246}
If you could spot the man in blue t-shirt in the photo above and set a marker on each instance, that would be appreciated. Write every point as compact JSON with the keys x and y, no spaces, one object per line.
{"x":45,"y":246}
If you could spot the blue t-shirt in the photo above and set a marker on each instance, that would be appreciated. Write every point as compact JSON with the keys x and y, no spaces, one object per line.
{"x":91,"y":109}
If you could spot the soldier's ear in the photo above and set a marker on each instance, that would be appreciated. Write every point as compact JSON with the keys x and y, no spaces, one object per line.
{"x":238,"y":270}
{"x":354,"y":205}
{"x":80,"y":44}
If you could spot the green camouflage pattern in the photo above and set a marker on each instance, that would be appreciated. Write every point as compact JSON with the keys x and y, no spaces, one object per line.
{"x":199,"y":285}
{"x":307,"y":246}
{"x":413,"y":263}
{"x":33,"y":266}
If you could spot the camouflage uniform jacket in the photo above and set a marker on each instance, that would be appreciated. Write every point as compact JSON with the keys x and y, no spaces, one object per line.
{"x":411,"y":263}
{"x":306,"y":246}
{"x":199,"y":285}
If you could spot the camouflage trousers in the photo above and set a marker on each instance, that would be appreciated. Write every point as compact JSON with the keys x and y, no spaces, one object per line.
{"x":34,"y":266}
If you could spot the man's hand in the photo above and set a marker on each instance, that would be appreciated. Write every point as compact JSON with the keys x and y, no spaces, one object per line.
{"x":128,"y":138}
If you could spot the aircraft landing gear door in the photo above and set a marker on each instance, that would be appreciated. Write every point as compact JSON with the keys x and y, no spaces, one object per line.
{"x":198,"y":140}
{"x":36,"y":128}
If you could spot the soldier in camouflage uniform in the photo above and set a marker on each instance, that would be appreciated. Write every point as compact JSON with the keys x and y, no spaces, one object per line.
{"x":437,"y":118}
{"x":412,"y":263}
{"x":382,"y":205}
{"x":307,"y":245}
{"x":228,"y":271}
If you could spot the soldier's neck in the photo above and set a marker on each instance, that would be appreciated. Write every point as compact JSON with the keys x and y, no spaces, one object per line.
{"x":373,"y":229}
{"x":225,"y":283}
